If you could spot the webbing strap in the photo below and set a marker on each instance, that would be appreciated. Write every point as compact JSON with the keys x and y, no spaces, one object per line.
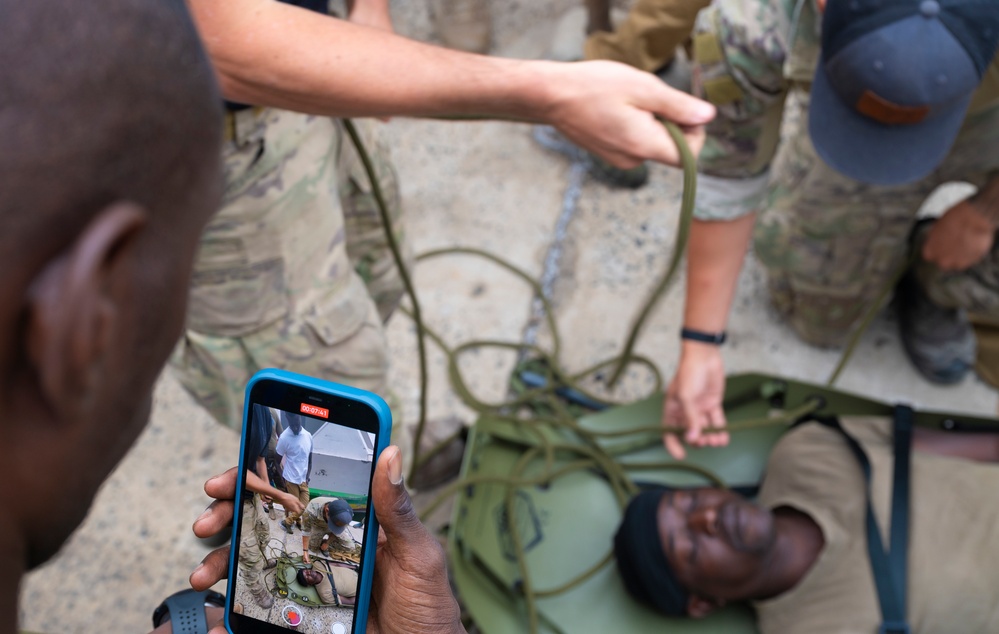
{"x":899,"y":531}
{"x":889,"y":567}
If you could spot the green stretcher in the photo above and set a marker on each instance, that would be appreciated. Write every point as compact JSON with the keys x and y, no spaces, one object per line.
{"x":566,"y":527}
{"x":287,"y":583}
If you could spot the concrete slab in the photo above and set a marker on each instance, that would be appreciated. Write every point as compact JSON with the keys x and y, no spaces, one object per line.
{"x":476,"y":185}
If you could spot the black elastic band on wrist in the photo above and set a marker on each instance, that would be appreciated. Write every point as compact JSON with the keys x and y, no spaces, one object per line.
{"x":715,"y":338}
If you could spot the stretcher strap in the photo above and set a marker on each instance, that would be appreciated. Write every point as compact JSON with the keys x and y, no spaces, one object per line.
{"x":889,"y":567}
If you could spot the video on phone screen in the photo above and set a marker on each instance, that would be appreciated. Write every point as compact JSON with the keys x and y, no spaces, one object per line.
{"x":300,"y":570}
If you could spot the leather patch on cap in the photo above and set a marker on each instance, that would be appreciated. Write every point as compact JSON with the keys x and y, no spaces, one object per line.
{"x":880,"y":109}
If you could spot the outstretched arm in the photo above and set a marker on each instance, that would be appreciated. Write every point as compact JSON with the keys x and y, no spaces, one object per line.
{"x":273,"y":54}
{"x":288,"y":501}
{"x":715,"y":255}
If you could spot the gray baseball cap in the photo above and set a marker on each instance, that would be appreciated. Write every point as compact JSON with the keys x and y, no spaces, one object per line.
{"x":894,"y":82}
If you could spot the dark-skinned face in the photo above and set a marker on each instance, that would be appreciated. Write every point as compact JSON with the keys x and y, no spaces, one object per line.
{"x":715,"y":540}
{"x":312,"y":577}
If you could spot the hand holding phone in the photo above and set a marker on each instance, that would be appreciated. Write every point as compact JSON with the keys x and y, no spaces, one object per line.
{"x":277,"y":582}
{"x":330,"y":436}
{"x":411,"y":591}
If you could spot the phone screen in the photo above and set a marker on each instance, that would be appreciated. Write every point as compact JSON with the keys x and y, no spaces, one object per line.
{"x":303,"y":571}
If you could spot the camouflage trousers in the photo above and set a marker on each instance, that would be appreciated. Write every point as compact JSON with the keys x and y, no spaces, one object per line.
{"x":830,"y":244}
{"x":253,"y":539}
{"x":294,"y":271}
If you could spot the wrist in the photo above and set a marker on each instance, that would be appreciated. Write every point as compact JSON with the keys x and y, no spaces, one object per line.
{"x":985,"y":218}
{"x":986,"y":201}
{"x":712,"y":337}
{"x":542,"y":91}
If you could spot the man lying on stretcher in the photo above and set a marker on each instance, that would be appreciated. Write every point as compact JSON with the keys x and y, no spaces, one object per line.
{"x":335,"y":582}
{"x":800,"y":553}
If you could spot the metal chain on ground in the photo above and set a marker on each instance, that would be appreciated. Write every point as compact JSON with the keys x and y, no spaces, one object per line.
{"x":578,"y":167}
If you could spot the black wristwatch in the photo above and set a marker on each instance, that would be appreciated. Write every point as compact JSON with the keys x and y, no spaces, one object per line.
{"x":714,"y":338}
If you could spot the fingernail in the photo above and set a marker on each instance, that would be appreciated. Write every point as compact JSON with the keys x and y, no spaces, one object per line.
{"x":395,"y":466}
{"x":204,"y":514}
{"x":705,"y":110}
{"x":198,"y":569}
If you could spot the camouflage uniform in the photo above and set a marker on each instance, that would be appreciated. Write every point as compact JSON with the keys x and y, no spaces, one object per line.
{"x":294,"y":271}
{"x":829,"y":243}
{"x":253,"y":540}
{"x":315,"y":524}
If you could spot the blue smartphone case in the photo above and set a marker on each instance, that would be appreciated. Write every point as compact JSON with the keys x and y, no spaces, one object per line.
{"x":384,"y":414}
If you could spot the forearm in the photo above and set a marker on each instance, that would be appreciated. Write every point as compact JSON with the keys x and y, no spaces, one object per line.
{"x":986,"y":201}
{"x":273,"y":54}
{"x":258,"y":485}
{"x":715,"y":254}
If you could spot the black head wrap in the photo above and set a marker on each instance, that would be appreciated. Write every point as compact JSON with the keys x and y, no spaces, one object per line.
{"x":640,"y":558}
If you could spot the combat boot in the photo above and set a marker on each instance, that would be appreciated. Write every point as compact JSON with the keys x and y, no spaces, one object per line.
{"x":939,"y":341}
{"x":262,"y":597}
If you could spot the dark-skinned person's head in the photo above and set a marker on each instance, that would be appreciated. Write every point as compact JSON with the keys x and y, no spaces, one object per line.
{"x":111,"y":127}
{"x":309,"y":577}
{"x":686,"y":552}
{"x":292,"y":422}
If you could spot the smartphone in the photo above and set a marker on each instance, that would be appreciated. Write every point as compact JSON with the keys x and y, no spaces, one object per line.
{"x":318,"y":442}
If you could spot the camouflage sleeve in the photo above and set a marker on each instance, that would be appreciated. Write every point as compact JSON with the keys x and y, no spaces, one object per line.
{"x":739,"y":49}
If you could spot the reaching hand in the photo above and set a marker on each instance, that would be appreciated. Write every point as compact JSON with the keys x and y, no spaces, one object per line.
{"x":959,"y":239}
{"x":291,"y":503}
{"x":609,"y":109}
{"x":411,"y":592}
{"x":694,"y":399}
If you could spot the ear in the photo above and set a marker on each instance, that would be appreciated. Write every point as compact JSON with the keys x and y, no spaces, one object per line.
{"x":74,"y":308}
{"x":699,"y":607}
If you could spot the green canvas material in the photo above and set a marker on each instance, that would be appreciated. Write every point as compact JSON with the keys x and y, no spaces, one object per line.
{"x":567,"y":527}
{"x":288,"y":586}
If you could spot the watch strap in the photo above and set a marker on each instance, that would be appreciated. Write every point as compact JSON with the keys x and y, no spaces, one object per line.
{"x":714,"y":338}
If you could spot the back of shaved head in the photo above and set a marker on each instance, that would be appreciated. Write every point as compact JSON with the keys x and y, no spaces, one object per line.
{"x":100,"y":100}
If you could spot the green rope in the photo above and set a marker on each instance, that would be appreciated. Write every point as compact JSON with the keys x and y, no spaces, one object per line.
{"x":393,"y":243}
{"x":871,"y":313}
{"x":689,"y":164}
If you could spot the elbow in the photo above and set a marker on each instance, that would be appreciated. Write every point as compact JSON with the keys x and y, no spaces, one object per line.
{"x":230,"y":84}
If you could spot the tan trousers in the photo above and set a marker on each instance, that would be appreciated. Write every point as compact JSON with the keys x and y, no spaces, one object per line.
{"x":649,"y":36}
{"x":301,"y":491}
